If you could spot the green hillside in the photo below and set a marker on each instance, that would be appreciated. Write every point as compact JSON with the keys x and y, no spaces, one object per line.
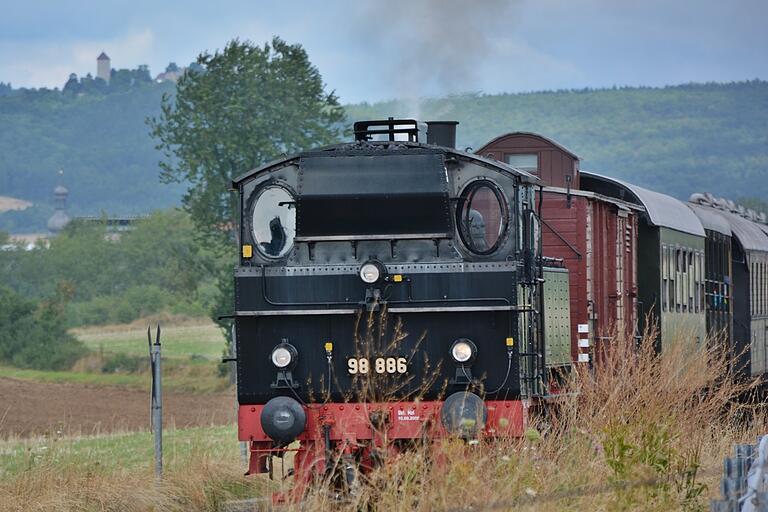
{"x":101,"y":143}
{"x":676,"y":139}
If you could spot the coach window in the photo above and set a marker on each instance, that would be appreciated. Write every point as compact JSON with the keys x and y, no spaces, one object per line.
{"x":273,"y":221}
{"x":762,"y":288}
{"x":700,"y":289}
{"x":672,"y":280}
{"x":686,"y":281}
{"x":753,"y":286}
{"x":691,"y":282}
{"x":482,"y":217}
{"x":528,"y":162}
{"x":664,"y":277}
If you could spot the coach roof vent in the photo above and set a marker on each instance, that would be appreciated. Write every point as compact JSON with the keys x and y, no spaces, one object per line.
{"x":442,"y":133}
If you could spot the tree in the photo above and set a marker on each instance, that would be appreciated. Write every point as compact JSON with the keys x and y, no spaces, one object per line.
{"x":248,"y":105}
{"x":34,"y":335}
{"x":73,"y":84}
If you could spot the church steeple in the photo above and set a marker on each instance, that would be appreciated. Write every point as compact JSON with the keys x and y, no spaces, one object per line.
{"x":59,"y":219}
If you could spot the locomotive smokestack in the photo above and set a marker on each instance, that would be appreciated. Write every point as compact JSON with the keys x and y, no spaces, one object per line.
{"x":442,"y":133}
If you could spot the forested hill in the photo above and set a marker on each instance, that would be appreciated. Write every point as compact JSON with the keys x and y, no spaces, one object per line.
{"x":100,"y":141}
{"x":679,"y":139}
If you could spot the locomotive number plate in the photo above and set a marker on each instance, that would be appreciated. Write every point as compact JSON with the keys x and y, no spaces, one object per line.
{"x":363,"y":365}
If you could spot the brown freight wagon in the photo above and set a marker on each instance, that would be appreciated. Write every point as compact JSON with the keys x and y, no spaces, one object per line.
{"x":594,"y":235}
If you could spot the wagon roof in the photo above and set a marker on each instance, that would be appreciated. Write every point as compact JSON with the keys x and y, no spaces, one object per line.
{"x":751,"y":235}
{"x":662,"y":210}
{"x":710,"y":219}
{"x":381,"y":148}
{"x":531,"y":134}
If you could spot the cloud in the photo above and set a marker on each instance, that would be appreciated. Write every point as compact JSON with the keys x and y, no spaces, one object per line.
{"x":405,"y":48}
{"x":518,"y":66}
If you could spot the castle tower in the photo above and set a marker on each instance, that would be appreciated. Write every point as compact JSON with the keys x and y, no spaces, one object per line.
{"x":59,"y":219}
{"x":103,"y":67}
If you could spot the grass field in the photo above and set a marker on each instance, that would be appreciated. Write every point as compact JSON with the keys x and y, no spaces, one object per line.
{"x":118,"y":452}
{"x":89,"y":378}
{"x":202,"y":470}
{"x":192,"y":349}
{"x":194,"y":378}
{"x":203,"y":341}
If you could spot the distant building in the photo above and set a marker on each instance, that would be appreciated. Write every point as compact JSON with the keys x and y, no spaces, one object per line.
{"x":103,"y":67}
{"x":114,"y":226}
{"x":172,"y":73}
{"x":59,"y":219}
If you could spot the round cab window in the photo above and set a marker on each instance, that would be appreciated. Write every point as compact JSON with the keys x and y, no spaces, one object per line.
{"x":482,"y":217}
{"x":274,"y":222}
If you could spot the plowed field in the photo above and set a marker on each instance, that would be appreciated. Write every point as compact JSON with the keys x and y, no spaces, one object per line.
{"x":29,"y":408}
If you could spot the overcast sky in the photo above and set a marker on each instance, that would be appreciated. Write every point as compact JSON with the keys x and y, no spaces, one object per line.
{"x":369,"y":51}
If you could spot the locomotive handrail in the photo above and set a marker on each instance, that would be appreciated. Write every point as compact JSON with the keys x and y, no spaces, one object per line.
{"x":450,"y":309}
{"x":266,"y":298}
{"x":344,"y":238}
{"x":287,"y":312}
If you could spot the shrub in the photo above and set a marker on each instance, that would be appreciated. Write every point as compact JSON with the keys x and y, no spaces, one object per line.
{"x":135,"y":302}
{"x":33,"y":335}
{"x":124,"y":363}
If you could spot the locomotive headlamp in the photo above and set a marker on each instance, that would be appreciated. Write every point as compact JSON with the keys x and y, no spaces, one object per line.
{"x":372,"y":272}
{"x":284,"y":355}
{"x":463,"y":351}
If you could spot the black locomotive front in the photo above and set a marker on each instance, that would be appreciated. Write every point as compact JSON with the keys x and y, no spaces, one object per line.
{"x":408,"y":262}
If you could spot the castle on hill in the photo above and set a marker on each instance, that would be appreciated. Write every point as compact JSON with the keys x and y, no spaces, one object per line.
{"x":107,"y":76}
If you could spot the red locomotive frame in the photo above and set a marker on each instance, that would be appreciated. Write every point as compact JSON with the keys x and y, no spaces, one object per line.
{"x":349,"y":426}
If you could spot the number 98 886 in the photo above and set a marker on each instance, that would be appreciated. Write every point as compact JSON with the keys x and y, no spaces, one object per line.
{"x":363,"y":365}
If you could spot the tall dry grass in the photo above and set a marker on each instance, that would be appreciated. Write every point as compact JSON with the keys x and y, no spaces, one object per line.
{"x":642,"y":431}
{"x":639,"y":432}
{"x":205,"y":485}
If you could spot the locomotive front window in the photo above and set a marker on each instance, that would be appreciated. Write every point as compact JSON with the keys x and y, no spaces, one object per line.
{"x":482,"y":217}
{"x":273,"y":221}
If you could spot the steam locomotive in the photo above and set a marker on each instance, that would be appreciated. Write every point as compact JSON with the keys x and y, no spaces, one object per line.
{"x":390,"y":291}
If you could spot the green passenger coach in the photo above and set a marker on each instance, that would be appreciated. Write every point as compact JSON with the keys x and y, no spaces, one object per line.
{"x":670,"y":270}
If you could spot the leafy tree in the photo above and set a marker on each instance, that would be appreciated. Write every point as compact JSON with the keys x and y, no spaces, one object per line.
{"x":248,"y":105}
{"x":157,"y":266}
{"x":73,"y":85}
{"x":34,"y":335}
{"x":141,"y":73}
